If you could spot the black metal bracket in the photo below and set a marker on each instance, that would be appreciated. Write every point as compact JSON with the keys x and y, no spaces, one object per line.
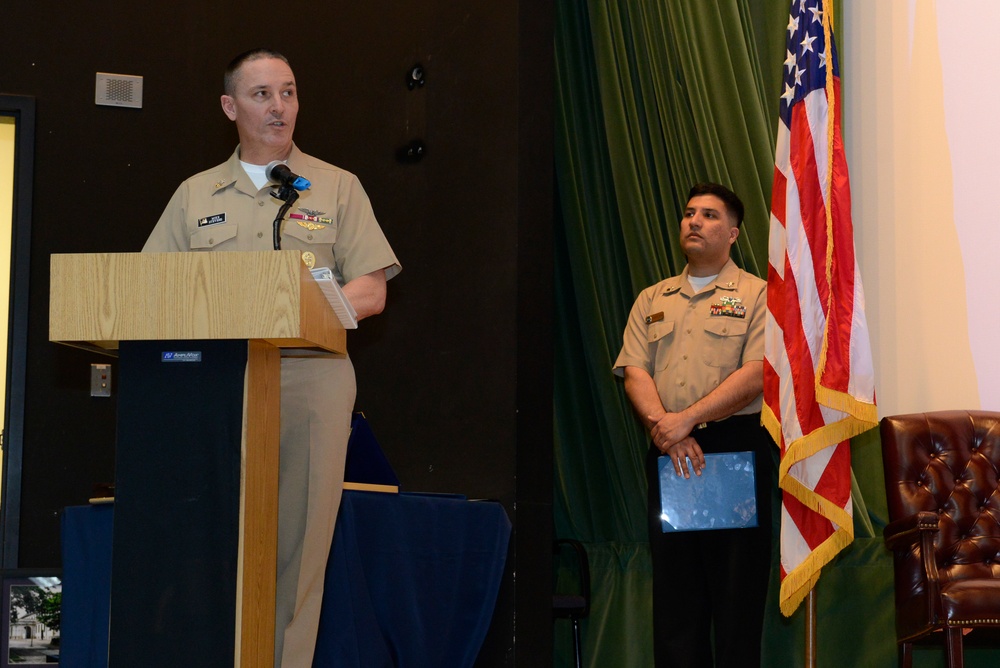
{"x":412,"y":152}
{"x":415,"y":77}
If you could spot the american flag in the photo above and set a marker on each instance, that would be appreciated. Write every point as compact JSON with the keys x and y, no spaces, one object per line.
{"x":819,"y":380}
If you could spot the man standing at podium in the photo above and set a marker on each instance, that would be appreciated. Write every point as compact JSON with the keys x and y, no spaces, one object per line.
{"x":229,"y":208}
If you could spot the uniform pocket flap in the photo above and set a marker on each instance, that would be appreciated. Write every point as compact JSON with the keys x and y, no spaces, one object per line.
{"x":212,"y":236}
{"x":658,"y":330}
{"x":723,"y":326}
{"x":320,"y":234}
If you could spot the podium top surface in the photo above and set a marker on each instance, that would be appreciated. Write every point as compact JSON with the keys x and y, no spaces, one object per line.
{"x":99,"y":299}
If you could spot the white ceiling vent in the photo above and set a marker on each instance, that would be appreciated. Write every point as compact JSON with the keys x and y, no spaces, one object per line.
{"x":118,"y":90}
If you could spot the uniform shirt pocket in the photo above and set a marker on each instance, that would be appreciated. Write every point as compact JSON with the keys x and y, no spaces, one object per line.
{"x":324,"y":234}
{"x":212,"y":236}
{"x":658,"y":335}
{"x":724,"y":339}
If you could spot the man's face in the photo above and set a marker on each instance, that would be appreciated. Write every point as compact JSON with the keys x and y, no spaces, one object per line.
{"x":707,"y":230}
{"x":264,"y":105}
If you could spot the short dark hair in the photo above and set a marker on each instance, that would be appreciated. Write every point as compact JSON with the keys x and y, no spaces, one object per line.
{"x":229,"y":78}
{"x":733,"y":203}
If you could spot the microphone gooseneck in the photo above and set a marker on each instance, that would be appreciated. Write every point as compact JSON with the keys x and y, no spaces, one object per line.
{"x":289,"y":184}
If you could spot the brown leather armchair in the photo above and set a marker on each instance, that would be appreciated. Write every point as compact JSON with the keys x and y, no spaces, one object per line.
{"x":943,"y":490}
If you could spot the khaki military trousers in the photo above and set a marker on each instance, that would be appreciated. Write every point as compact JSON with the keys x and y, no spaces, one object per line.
{"x":317,"y":398}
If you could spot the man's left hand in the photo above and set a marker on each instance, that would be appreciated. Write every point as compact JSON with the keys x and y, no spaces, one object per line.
{"x":669,"y":429}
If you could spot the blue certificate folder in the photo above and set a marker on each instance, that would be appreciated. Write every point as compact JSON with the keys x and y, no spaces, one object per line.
{"x":722,"y":497}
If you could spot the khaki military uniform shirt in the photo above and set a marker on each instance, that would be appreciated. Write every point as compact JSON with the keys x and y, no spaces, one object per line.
{"x":689,"y":343}
{"x":221,"y":210}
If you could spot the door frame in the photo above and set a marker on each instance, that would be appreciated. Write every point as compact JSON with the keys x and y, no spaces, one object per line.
{"x":22,"y":109}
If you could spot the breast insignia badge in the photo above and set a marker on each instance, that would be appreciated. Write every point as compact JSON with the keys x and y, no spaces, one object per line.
{"x":310,"y":221}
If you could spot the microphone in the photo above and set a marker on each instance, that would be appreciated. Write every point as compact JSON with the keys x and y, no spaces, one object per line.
{"x":278,"y":172}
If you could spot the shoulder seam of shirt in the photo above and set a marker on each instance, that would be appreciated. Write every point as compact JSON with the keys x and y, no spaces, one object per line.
{"x":315,"y":163}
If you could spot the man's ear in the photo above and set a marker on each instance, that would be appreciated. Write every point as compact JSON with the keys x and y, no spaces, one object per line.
{"x":734,"y":233}
{"x":229,"y":107}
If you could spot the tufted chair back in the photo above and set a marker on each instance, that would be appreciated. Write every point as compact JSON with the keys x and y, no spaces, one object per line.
{"x":943,"y":491}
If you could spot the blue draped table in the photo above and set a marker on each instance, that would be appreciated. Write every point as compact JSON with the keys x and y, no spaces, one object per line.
{"x":412,"y":580}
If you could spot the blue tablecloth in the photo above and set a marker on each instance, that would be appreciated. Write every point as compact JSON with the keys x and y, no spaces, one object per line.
{"x":412,"y":581}
{"x":86,"y":594}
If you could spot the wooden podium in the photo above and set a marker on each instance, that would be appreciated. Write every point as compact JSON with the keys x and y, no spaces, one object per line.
{"x":199,"y":338}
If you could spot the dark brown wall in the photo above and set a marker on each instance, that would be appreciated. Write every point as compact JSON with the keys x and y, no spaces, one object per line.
{"x":455,"y":376}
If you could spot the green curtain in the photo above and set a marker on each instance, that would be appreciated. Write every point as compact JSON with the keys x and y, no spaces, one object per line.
{"x":651,"y":97}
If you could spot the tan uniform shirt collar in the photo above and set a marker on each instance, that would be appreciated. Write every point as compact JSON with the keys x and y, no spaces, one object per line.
{"x":232,"y":174}
{"x":728,"y":279}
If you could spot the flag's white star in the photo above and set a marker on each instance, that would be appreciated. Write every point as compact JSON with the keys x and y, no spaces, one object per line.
{"x":807,"y":43}
{"x":789,"y":60}
{"x":822,"y":59}
{"x":788,"y":94}
{"x":798,"y":75}
{"x":817,"y":15}
{"x":793,"y":24}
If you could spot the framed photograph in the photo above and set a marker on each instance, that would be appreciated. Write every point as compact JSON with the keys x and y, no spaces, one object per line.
{"x":31,"y":614}
{"x":723,"y":497}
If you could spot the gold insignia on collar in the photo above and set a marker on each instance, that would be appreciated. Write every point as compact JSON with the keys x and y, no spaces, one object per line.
{"x":219,"y":184}
{"x":309,"y":259}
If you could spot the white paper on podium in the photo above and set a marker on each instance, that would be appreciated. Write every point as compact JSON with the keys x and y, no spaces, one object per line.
{"x":335,"y":295}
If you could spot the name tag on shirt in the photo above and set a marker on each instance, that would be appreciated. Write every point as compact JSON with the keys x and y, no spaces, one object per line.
{"x":217,"y":219}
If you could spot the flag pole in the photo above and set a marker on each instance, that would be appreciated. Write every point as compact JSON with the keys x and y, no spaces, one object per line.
{"x":811,"y":628}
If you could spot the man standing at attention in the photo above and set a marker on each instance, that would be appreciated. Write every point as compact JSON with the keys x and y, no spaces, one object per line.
{"x":229,"y":208}
{"x":692,"y":360}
